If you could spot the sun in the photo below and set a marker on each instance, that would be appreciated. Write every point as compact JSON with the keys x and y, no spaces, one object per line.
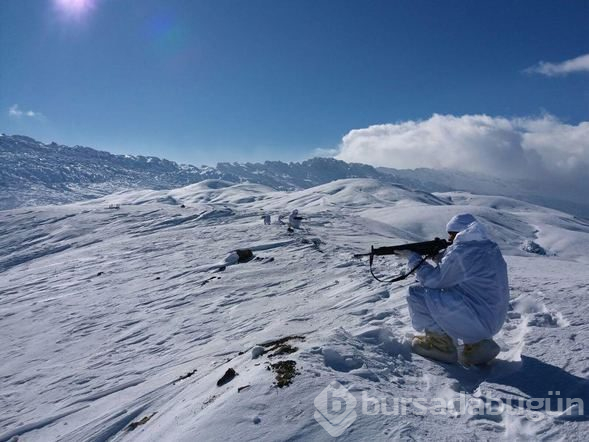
{"x":74,"y":8}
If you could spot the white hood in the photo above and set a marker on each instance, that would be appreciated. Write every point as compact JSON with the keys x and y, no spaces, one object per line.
{"x":474,"y":232}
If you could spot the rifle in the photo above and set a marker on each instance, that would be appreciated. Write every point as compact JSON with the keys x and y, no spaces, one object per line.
{"x":427,"y":249}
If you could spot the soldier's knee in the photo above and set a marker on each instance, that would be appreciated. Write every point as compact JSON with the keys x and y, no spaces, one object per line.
{"x":414,"y":296}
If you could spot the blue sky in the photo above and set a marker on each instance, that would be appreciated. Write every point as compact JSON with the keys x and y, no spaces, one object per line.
{"x":205,"y":81}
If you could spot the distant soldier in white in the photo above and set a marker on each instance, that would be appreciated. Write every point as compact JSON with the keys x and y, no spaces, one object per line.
{"x":464,"y":297}
{"x":294,"y":220}
{"x":265,"y":217}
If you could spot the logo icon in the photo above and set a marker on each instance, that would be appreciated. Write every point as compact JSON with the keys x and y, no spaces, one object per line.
{"x":335,"y":409}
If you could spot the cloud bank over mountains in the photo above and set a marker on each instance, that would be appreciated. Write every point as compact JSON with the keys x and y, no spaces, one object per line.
{"x":542,"y":148}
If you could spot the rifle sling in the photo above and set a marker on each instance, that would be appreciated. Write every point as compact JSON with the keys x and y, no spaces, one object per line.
{"x":396,"y":278}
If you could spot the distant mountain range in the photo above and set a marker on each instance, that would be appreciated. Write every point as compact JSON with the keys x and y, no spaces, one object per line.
{"x":33,"y":173}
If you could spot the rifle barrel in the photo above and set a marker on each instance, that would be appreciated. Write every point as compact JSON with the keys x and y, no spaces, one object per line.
{"x":424,"y":248}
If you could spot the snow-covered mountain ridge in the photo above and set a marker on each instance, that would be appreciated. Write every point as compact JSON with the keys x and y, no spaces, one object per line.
{"x":33,"y":173}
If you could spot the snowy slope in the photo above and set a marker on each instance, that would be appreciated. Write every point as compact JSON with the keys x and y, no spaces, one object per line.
{"x":536,"y":191}
{"x":119,"y":315}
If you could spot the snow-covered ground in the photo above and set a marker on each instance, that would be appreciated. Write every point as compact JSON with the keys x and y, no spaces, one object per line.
{"x":119,"y":315}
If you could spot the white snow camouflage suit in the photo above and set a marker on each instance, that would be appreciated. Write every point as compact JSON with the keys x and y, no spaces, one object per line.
{"x":294,"y":219}
{"x":467,"y":295}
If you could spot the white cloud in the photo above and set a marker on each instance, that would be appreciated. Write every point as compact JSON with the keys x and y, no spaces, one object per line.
{"x":541,"y":148}
{"x":579,"y":64}
{"x":16,"y":112}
